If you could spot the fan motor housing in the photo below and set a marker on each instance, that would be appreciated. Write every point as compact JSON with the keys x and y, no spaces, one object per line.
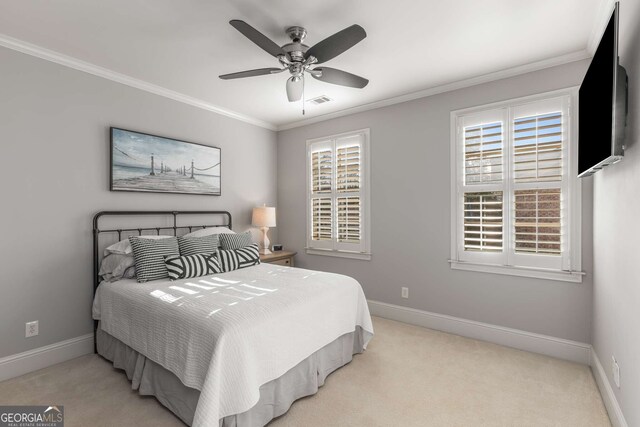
{"x":295,"y":51}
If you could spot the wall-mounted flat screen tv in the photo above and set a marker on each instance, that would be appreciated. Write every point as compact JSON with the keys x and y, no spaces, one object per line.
{"x":603,"y":105}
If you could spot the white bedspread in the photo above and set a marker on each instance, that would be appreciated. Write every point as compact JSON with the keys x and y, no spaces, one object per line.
{"x":228,"y":334}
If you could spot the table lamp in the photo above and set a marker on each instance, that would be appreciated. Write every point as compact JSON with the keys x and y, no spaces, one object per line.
{"x":264,"y":217}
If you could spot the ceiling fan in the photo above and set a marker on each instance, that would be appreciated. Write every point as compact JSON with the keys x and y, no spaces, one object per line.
{"x":298,"y":58}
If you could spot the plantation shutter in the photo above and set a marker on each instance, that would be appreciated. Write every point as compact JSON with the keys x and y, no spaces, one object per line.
{"x":483,"y":153}
{"x":337,"y":204}
{"x":483,"y":221}
{"x":321,"y":169}
{"x":481,"y":186}
{"x":348,"y":168}
{"x":538,"y":148}
{"x":538,"y":221}
{"x":321,"y":222}
{"x":539,"y":190}
{"x":515,"y":197}
{"x":348,"y":181}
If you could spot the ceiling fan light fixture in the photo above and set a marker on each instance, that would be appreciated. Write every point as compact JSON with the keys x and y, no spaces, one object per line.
{"x":296,"y":57}
{"x":294,"y":88}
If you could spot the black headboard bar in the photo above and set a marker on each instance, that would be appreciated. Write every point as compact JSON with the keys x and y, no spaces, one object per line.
{"x":97,"y":231}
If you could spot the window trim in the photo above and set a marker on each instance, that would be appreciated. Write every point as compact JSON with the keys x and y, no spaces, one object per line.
{"x":364,"y":194}
{"x":571,"y":269}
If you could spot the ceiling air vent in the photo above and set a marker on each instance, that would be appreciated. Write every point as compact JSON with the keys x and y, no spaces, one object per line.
{"x":320,"y":100}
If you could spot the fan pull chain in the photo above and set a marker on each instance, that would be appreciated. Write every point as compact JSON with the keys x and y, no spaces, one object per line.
{"x":303,"y":94}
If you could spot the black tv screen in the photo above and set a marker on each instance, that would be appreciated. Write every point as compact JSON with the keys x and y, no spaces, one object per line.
{"x":597,"y":101}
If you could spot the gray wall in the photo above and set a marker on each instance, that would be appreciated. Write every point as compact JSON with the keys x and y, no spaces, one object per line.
{"x":616,"y":230}
{"x":410,"y":210}
{"x":54,"y":173}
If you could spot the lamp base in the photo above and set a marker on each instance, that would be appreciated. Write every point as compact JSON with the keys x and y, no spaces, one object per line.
{"x":264,"y":244}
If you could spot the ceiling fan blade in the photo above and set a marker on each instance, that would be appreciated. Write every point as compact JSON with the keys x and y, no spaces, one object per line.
{"x":252,"y":73}
{"x":257,"y":37}
{"x":338,"y":77}
{"x":334,"y":45}
{"x":294,"y":89}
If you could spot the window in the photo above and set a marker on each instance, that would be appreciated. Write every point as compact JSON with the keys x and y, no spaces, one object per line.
{"x":515,"y":191}
{"x":338,"y":195}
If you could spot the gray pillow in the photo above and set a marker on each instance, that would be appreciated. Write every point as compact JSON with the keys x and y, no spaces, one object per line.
{"x":114,"y":266}
{"x":198,"y":245}
{"x":235,"y":241}
{"x":149,"y":256}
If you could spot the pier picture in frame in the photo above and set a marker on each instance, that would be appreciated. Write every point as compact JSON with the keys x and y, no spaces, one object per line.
{"x":150,"y":163}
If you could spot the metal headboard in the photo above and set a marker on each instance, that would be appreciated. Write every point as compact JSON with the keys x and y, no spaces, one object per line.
{"x":97,"y":231}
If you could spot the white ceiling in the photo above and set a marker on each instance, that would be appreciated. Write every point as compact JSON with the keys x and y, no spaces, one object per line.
{"x":411,"y":45}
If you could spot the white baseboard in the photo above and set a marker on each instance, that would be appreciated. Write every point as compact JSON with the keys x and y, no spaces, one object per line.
{"x":606,"y":391}
{"x":522,"y":340}
{"x":38,"y":358}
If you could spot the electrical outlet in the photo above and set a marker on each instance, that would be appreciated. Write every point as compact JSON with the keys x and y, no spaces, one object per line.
{"x":615,"y":369}
{"x":31,"y":329}
{"x":405,"y":292}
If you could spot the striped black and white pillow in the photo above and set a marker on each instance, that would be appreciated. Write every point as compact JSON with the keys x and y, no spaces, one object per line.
{"x":234,"y":259}
{"x":184,"y":267}
{"x":149,"y":256}
{"x":198,"y":245}
{"x":235,"y":240}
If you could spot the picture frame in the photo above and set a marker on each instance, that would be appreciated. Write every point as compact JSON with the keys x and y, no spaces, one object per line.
{"x":143,"y":162}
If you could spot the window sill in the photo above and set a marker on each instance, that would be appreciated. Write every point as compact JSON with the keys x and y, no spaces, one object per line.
{"x":340,"y":254}
{"x":538,"y":273}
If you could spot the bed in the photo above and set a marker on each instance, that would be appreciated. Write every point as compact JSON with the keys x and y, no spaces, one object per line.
{"x":230,"y":349}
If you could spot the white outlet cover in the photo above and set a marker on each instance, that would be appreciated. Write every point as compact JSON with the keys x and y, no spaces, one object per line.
{"x":615,"y":368}
{"x":31,"y":329}
{"x":405,"y":292}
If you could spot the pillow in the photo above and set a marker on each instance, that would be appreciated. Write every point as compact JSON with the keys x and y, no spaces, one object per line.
{"x":234,"y":259}
{"x":209,"y":231}
{"x":149,"y":256}
{"x":123,"y":247}
{"x":235,"y":241}
{"x":184,"y":267}
{"x":129,"y":273}
{"x":114,"y":266}
{"x":198,"y":245}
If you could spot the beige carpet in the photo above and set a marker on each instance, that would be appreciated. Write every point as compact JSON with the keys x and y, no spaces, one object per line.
{"x":409,"y":376}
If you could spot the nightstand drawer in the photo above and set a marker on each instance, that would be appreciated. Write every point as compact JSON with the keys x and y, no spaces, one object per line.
{"x":286,"y":261}
{"x":279,"y":258}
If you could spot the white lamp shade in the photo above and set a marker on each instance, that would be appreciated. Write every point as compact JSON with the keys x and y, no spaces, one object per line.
{"x":264,"y":216}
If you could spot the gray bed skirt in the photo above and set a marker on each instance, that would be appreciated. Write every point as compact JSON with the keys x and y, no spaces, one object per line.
{"x":276,"y":396}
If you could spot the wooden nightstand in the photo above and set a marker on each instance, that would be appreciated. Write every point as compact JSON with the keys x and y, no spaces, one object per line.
{"x":280,"y":258}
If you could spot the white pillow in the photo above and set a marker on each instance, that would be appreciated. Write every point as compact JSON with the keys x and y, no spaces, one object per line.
{"x":123,"y":247}
{"x":116,"y":266}
{"x":209,"y":231}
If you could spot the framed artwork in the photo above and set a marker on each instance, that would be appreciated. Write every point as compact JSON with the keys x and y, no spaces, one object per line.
{"x":151,"y":163}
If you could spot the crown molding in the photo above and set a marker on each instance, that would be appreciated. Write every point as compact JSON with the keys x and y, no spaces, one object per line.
{"x":460,"y":84}
{"x":77,"y":64}
{"x":600,"y":23}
